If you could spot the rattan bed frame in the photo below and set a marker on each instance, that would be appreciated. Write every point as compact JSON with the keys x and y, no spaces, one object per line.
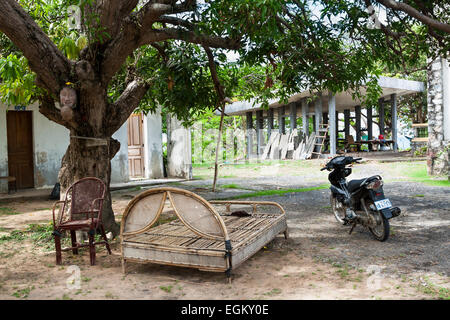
{"x":201,"y":237}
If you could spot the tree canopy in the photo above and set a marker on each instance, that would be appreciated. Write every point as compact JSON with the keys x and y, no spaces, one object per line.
{"x":128,"y":54}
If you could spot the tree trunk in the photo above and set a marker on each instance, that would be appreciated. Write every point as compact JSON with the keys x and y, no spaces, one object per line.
{"x":90,"y":158}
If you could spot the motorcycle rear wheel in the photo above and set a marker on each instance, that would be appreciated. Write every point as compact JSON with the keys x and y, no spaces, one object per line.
{"x":381,"y":231}
{"x":338,"y":209}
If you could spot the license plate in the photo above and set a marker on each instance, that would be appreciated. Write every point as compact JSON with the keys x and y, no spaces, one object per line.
{"x":383,"y":204}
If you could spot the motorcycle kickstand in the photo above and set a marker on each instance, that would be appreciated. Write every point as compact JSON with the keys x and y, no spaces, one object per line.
{"x":353,"y":227}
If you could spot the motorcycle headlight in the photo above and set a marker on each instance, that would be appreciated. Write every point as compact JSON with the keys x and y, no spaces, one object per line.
{"x":374,"y":185}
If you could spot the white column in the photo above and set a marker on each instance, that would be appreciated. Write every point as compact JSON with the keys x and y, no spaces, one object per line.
{"x":119,"y":164}
{"x":446,"y":97}
{"x":332,"y":122}
{"x":318,"y":112}
{"x":394,"y":120}
{"x":179,"y":149}
{"x":305,"y":117}
{"x":153,"y":152}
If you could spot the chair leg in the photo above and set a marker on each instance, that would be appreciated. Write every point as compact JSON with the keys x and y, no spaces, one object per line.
{"x":92,"y":248}
{"x":102,"y":231}
{"x":73,"y":237}
{"x":58,"y":249}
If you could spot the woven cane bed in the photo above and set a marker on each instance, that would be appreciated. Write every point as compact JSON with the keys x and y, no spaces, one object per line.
{"x":206,"y":235}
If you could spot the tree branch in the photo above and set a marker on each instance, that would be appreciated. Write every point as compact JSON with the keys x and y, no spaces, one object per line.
{"x":411,"y":11}
{"x":127,"y":102}
{"x":44,"y":58}
{"x":112,"y":13}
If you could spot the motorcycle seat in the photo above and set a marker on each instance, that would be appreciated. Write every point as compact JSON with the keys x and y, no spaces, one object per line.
{"x":353,"y":185}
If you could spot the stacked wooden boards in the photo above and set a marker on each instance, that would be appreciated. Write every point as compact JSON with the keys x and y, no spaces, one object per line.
{"x":289,"y":146}
{"x":202,"y":238}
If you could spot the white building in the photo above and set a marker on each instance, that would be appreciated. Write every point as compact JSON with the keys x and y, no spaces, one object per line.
{"x":32,"y":147}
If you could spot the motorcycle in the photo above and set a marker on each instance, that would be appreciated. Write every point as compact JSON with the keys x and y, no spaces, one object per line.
{"x":359,"y":201}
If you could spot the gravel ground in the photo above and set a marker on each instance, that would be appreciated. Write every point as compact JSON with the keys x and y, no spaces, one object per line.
{"x":420,"y":236}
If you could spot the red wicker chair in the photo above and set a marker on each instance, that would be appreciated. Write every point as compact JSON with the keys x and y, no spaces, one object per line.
{"x":81,"y":210}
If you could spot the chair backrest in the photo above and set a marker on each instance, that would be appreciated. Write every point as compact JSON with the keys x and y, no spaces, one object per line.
{"x":82,"y":193}
{"x":350,"y":139}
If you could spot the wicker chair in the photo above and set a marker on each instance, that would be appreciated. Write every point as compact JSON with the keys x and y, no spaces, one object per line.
{"x":81,"y":210}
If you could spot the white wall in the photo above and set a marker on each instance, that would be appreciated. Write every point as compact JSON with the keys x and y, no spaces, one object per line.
{"x":119,"y":164}
{"x":50,"y":144}
{"x":446,"y":97}
{"x":153,"y":153}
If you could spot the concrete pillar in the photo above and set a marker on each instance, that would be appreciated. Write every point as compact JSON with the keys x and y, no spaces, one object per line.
{"x":292,"y":116}
{"x":446,"y":98}
{"x":249,"y":118}
{"x":305,"y":118}
{"x":318,"y":113}
{"x":381,"y":116}
{"x":119,"y":164}
{"x":270,"y":125}
{"x":438,"y":107}
{"x":394,"y":116}
{"x":358,"y":124}
{"x":369,"y":126}
{"x":281,"y":122}
{"x":153,"y":153}
{"x":347,"y":123}
{"x":332,"y":122}
{"x":259,"y":132}
{"x":179,"y":149}
{"x":337,"y":126}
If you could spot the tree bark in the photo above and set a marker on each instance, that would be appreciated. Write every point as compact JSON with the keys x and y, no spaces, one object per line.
{"x":90,"y":157}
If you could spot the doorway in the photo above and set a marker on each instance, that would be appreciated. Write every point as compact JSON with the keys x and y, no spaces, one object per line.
{"x":19,"y":128}
{"x":136,"y":146}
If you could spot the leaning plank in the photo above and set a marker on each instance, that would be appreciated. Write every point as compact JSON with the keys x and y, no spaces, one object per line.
{"x":275,"y":148}
{"x":284,"y":145}
{"x":272,"y":139}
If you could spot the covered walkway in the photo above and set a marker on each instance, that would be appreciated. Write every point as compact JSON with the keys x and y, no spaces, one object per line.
{"x":326,"y":108}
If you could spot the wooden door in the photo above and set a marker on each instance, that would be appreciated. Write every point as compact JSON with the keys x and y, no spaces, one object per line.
{"x":20,"y":147}
{"x":135,"y":146}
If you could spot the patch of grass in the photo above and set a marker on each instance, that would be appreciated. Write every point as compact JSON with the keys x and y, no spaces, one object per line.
{"x":109,"y":295}
{"x":430,"y":288}
{"x":66,"y":297}
{"x":23,"y":293}
{"x":419,"y":173}
{"x":343,"y":272}
{"x":273,"y":292}
{"x":167,"y":289}
{"x":15,"y":235}
{"x":419,"y":196}
{"x":230,"y":186}
{"x":7,"y":211}
{"x":275,"y":192}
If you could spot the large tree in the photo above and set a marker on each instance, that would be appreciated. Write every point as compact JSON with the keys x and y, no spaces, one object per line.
{"x":132,"y":54}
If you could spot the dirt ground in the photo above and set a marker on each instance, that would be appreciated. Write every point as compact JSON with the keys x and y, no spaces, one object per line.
{"x":320,"y":260}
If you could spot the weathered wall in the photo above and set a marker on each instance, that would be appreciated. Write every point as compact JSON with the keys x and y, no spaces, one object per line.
{"x":153,"y":152}
{"x":50,"y":142}
{"x":179,"y":153}
{"x":438,"y":118}
{"x":119,"y":164}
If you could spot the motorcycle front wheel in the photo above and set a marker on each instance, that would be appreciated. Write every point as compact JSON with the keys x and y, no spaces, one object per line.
{"x":381,"y":231}
{"x":338,"y":209}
